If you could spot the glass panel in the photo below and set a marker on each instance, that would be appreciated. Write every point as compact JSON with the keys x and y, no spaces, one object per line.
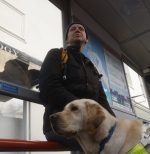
{"x":22,"y":68}
{"x":12,"y":122}
{"x":11,"y":107}
{"x":136,"y":87}
{"x":44,"y":28}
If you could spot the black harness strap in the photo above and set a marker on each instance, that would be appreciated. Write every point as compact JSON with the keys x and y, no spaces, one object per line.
{"x":107,"y":138}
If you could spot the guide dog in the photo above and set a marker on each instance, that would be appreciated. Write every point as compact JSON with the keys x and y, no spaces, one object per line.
{"x":96,"y":130}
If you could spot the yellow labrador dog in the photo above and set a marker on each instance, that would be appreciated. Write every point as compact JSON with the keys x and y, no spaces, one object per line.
{"x":95,"y":129}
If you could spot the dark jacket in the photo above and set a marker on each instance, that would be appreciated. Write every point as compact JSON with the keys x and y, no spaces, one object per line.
{"x":82,"y":81}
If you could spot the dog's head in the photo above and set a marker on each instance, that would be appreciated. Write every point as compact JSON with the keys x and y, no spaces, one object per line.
{"x":79,"y":115}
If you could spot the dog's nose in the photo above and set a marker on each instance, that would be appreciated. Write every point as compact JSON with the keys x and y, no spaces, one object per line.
{"x":53,"y":117}
{"x":54,"y":122}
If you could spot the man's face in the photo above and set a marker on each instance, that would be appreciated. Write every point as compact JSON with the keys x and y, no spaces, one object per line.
{"x":76,"y":35}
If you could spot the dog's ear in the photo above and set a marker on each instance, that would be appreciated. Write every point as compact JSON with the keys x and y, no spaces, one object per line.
{"x":95,"y":115}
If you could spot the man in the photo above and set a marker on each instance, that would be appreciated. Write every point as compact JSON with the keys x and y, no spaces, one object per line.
{"x":82,"y":80}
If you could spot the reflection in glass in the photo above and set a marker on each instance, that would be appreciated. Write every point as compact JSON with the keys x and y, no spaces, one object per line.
{"x":11,"y":107}
{"x":18,"y":68}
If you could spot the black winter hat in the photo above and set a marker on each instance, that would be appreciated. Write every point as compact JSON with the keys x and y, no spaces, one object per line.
{"x":73,"y":24}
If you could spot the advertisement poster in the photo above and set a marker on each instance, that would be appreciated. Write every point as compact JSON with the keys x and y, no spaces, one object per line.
{"x":117,"y":82}
{"x":95,"y":52}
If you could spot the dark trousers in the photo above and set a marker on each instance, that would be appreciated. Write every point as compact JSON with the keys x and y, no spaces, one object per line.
{"x":70,"y":143}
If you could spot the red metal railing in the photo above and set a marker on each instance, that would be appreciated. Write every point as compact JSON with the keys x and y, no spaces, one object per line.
{"x":24,"y":145}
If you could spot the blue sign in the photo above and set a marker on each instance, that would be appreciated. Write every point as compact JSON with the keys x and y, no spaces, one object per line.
{"x":113,"y":80}
{"x":8,"y":88}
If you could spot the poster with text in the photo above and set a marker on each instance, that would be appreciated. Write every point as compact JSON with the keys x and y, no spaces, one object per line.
{"x":117,"y":82}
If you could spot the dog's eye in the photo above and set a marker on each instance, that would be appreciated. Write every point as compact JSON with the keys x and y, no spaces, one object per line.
{"x":74,"y":108}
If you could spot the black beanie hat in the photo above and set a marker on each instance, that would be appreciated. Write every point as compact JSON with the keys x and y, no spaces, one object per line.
{"x":73,"y":24}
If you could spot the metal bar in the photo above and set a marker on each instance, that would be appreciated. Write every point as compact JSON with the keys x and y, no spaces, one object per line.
{"x":16,"y":91}
{"x":138,"y":96}
{"x":24,"y":145}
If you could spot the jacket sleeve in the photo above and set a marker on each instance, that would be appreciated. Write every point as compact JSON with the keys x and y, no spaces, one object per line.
{"x":50,"y":81}
{"x":103,"y":100}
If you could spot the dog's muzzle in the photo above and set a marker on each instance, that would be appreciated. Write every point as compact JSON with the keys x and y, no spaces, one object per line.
{"x":54,"y":122}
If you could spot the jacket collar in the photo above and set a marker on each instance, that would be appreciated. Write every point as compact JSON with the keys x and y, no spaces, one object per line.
{"x":73,"y":49}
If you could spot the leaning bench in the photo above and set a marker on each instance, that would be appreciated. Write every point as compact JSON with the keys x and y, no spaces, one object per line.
{"x":14,"y":145}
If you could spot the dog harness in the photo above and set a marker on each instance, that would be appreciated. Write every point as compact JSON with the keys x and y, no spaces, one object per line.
{"x":106,"y":139}
{"x":138,"y":148}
